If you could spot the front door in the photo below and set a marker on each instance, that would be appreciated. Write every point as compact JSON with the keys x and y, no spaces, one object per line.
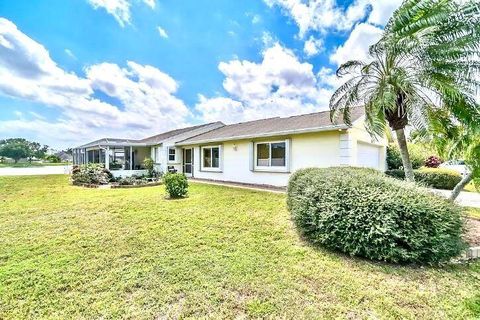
{"x":188,"y":162}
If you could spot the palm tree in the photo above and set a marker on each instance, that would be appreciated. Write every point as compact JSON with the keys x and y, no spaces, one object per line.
{"x":456,"y":141}
{"x":427,"y":58}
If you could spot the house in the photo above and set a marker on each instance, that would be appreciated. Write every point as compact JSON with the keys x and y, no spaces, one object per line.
{"x":263,"y":151}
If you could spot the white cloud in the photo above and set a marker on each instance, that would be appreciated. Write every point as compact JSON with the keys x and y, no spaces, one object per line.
{"x":356,"y":46}
{"x":313,"y":46}
{"x":162,"y":32}
{"x":150,"y":3}
{"x":321,"y":15}
{"x":256,"y":19}
{"x":146,"y":96}
{"x":70,"y":54}
{"x":119,"y":9}
{"x":279,"y":85}
{"x":220,"y":108}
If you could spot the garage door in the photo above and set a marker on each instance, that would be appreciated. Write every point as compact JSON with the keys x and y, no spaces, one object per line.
{"x":368,"y":155}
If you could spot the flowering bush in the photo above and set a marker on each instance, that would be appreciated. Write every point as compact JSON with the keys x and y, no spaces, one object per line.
{"x":433,"y":162}
{"x":91,"y":173}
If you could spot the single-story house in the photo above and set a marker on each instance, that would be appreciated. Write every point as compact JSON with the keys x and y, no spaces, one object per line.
{"x":263,"y":151}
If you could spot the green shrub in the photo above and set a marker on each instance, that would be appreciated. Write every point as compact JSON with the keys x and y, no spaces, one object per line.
{"x":90,"y":174}
{"x":53,"y":158}
{"x":176,"y":184}
{"x":149,"y":165}
{"x":418,"y":154}
{"x":364,"y":213}
{"x":431,"y":177}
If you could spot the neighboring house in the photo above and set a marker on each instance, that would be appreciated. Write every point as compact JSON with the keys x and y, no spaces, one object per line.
{"x":64,"y":156}
{"x":257,"y":152}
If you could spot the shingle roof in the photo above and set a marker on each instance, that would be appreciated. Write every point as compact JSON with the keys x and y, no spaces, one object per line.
{"x":156,"y":139}
{"x":318,"y":121}
{"x":166,"y":135}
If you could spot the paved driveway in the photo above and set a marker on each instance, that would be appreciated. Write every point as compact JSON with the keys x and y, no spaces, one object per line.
{"x":466,"y":199}
{"x":35,"y":171}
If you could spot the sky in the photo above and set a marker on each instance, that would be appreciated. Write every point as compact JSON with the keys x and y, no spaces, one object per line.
{"x":79,"y":70}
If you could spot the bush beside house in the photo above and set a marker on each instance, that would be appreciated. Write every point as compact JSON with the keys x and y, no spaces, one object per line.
{"x":363,"y":213}
{"x":176,"y":185}
{"x":431,"y":177}
{"x":90,"y":174}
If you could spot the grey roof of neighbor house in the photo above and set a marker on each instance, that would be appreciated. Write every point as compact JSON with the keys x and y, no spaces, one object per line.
{"x":156,"y":139}
{"x":312,"y":122}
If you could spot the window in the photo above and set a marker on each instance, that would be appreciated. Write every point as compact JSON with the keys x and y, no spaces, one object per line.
{"x":271,"y":154}
{"x":211,"y":157}
{"x":171,"y":154}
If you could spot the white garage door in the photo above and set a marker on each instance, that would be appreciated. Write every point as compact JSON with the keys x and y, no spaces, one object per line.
{"x":368,"y":155}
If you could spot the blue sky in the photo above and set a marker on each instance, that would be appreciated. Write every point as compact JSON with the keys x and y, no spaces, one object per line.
{"x":77,"y":70}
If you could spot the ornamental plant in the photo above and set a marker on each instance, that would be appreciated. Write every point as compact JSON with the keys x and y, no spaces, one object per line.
{"x":364,"y":213}
{"x":433,"y":162}
{"x":176,"y":185}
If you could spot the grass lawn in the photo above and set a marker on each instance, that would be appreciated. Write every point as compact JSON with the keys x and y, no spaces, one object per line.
{"x":33,"y":164}
{"x":470,"y":187}
{"x":70,"y":252}
{"x":474,"y":212}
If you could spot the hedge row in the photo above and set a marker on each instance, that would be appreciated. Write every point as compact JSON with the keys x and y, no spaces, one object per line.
{"x":364,"y":213}
{"x":431,"y":177}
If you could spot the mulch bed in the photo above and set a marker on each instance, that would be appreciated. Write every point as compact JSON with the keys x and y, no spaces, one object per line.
{"x":472,"y":235}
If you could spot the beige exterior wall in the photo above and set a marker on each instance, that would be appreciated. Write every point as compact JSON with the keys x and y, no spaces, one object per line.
{"x":319,"y":149}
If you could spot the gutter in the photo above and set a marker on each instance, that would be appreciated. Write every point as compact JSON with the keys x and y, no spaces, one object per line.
{"x":268,"y":134}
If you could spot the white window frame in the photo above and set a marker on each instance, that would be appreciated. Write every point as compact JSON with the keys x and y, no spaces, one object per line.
{"x":175,"y":155}
{"x":271,"y":168}
{"x":211,"y":169}
{"x":153,"y":154}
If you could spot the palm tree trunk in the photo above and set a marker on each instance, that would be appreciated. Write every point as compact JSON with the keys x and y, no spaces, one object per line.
{"x":407,"y":164}
{"x":459,"y":187}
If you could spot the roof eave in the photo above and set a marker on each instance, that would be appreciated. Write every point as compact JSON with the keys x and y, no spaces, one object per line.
{"x":267,"y":134}
{"x":112,"y":144}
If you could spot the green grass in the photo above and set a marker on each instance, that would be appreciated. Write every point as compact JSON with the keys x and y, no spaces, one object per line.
{"x":470,"y":187}
{"x":33,"y":164}
{"x":473,"y":212}
{"x":71,"y":252}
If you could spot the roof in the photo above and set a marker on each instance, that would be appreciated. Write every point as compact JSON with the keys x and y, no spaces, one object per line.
{"x":110,"y":142}
{"x":156,"y":139}
{"x":312,"y":122}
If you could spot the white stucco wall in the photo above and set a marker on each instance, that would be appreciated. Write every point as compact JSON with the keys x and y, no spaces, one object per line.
{"x":160,"y":152}
{"x":358,"y":134}
{"x":307,"y":150}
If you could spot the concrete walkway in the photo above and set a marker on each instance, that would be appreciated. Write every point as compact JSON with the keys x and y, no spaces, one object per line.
{"x":465,"y":199}
{"x":33,"y":171}
{"x":241,"y":186}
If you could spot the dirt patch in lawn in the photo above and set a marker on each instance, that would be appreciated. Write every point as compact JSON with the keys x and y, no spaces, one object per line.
{"x":472,"y":235}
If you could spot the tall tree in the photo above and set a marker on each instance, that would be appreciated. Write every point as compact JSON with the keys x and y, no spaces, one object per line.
{"x":16,"y":148}
{"x":37,"y":151}
{"x":426,"y":59}
{"x":19,"y":148}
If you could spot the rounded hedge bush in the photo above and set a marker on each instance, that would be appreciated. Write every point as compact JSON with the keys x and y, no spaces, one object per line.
{"x":431,"y":177}
{"x":176,"y":184}
{"x":363,"y":213}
